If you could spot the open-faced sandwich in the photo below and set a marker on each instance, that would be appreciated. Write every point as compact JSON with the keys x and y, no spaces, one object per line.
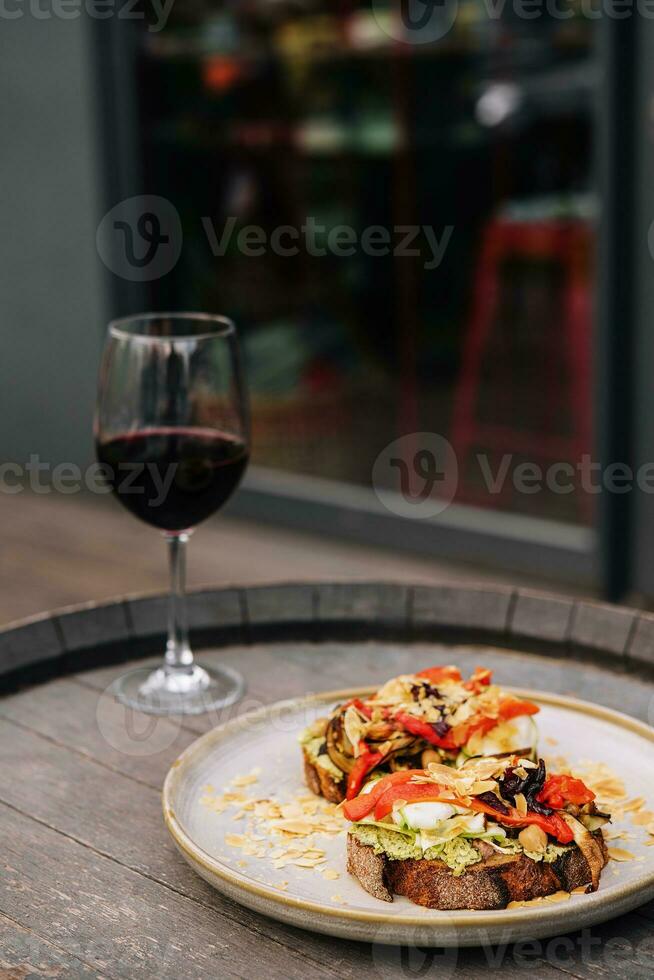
{"x":432,"y":716}
{"x":478,"y":837}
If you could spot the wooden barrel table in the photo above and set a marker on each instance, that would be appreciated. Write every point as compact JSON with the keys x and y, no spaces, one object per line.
{"x":91,"y":884}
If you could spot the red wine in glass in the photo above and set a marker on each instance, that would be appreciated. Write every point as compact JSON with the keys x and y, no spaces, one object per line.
{"x":172,"y":435}
{"x":173,"y":478}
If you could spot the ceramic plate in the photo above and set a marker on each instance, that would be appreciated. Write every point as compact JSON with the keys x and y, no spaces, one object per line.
{"x":263,"y":747}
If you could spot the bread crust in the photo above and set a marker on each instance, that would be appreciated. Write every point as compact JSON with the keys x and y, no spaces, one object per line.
{"x":490,"y":884}
{"x":321,"y":782}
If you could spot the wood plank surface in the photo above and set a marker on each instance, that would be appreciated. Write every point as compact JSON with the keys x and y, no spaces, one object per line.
{"x":91,"y":885}
{"x":24,"y":955}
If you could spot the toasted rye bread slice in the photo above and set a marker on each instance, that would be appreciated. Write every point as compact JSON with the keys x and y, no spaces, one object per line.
{"x":321,"y":782}
{"x":490,"y":884}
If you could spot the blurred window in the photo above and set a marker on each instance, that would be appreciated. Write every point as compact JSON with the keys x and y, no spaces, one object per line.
{"x":405,"y":230}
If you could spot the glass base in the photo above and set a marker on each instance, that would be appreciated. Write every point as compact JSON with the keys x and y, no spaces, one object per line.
{"x":179,"y":691}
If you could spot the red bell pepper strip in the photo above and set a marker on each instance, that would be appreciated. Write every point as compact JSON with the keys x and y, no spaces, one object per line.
{"x":359,"y":705}
{"x":552,"y":824}
{"x":512,"y":708}
{"x":477,"y":725}
{"x":461,"y":734}
{"x":436,"y":674}
{"x":559,"y":790}
{"x":359,"y":808}
{"x":416,"y":726}
{"x":482,"y":724}
{"x":410,"y":793}
{"x":366,"y":761}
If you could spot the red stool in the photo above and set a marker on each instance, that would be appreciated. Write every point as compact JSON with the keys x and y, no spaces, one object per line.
{"x":567,"y":244}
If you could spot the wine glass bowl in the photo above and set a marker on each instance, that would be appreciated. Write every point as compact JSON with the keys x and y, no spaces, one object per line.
{"x":172,"y":434}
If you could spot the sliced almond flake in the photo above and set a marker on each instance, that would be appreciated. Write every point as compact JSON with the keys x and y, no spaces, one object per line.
{"x":308,"y":862}
{"x":634,"y":805}
{"x":219,"y":806}
{"x":526,"y":904}
{"x":613,"y":794}
{"x":329,"y":827}
{"x":339,"y":899}
{"x":557,"y":763}
{"x":301,"y":827}
{"x":561,"y":896}
{"x":245,"y":780}
{"x":331,"y":874}
{"x":281,"y":885}
{"x":239,"y":815}
{"x":620,"y":854}
{"x":642,"y":818}
{"x":521,"y":804}
{"x":290,"y":811}
{"x":611,"y":798}
{"x":235,"y":840}
{"x":607,"y":786}
{"x":611,"y":834}
{"x":483,"y":786}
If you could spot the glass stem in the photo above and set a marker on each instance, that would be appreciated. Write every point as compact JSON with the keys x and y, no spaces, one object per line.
{"x":178,"y":651}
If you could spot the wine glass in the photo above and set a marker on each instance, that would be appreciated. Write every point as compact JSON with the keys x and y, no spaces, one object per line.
{"x":172,"y":433}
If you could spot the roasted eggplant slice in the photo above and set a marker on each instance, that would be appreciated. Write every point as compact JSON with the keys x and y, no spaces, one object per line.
{"x":339,"y":749}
